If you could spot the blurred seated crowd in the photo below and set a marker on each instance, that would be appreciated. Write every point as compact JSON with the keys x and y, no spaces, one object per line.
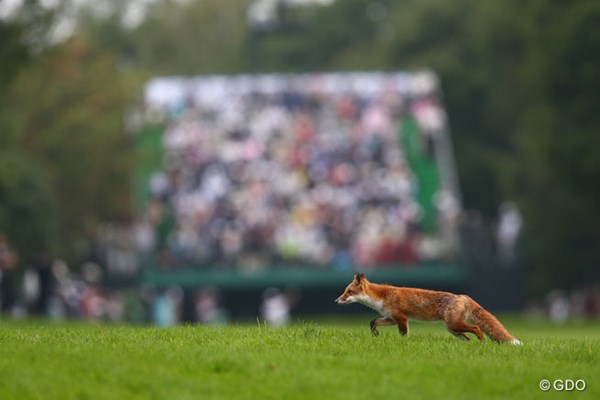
{"x":49,"y":288}
{"x":272,"y":170}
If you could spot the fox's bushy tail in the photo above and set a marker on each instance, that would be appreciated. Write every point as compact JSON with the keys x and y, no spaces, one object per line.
{"x":490,"y":324}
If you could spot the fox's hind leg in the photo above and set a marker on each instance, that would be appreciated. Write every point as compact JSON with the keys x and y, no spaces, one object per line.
{"x":460,"y":335}
{"x":402,"y":322}
{"x":458,"y":328}
{"x":380,"y":322}
{"x":455,"y":320}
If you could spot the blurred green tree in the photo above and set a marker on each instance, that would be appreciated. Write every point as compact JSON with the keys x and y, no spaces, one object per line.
{"x":66,"y":112}
{"x":27,"y":214}
{"x":191,"y":37}
{"x":560,"y":145}
{"x":13,"y":52}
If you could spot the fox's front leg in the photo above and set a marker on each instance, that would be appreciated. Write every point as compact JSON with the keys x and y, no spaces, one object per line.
{"x":380,"y":322}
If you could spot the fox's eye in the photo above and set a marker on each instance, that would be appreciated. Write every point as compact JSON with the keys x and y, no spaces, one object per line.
{"x":350,"y":291}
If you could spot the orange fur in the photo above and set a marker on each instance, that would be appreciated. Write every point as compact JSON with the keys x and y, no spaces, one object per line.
{"x":398,"y":305}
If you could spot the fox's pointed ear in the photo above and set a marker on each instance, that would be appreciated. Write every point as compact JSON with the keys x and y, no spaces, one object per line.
{"x":358,"y":277}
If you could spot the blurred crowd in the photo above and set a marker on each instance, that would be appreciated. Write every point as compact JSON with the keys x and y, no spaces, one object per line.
{"x":561,"y":306}
{"x":47,"y":287}
{"x":304,"y":169}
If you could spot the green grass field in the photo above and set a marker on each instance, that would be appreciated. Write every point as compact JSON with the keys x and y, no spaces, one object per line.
{"x":315,"y":360}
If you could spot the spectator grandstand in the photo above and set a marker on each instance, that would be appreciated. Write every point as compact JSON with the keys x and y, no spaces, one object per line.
{"x":337,"y":170}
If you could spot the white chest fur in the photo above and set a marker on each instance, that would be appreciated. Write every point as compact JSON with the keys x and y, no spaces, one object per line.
{"x":376,"y":305}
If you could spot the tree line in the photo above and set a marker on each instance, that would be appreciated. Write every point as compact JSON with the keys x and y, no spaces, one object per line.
{"x":519,"y":79}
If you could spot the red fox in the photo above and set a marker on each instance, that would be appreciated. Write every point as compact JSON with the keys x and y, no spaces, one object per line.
{"x":399,"y":304}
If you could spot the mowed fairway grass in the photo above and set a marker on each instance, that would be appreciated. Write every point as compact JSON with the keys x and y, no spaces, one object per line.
{"x":310,"y":360}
